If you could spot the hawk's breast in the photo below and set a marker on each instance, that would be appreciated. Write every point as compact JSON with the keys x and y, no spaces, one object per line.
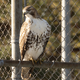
{"x":37,"y":38}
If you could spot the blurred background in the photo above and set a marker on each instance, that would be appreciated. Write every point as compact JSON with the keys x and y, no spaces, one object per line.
{"x":50,"y":10}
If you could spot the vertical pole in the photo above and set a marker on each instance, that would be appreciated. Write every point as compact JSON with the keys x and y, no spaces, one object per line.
{"x":16,"y":20}
{"x":65,"y":40}
{"x":25,"y":3}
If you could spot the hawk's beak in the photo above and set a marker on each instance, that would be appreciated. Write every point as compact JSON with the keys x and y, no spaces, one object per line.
{"x":25,"y":12}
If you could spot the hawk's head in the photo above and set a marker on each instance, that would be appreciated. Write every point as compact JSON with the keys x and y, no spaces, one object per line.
{"x":30,"y":10}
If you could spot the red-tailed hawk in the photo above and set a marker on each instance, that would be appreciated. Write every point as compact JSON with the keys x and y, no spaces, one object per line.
{"x":34,"y":35}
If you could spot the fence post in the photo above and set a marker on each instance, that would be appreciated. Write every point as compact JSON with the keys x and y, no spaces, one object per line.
{"x":65,"y":38}
{"x":16,"y":21}
{"x":25,"y":3}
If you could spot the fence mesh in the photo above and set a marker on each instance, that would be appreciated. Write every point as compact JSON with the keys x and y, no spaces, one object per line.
{"x":50,"y":10}
{"x":5,"y":34}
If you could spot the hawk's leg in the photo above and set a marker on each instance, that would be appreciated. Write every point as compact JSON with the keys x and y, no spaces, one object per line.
{"x":32,"y":60}
{"x":37,"y":61}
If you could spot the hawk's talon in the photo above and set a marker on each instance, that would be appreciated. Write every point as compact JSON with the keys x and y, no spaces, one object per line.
{"x":32,"y":60}
{"x":38,"y":61}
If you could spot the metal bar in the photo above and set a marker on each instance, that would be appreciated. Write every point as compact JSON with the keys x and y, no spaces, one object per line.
{"x":16,"y":20}
{"x":45,"y":64}
{"x":65,"y":39}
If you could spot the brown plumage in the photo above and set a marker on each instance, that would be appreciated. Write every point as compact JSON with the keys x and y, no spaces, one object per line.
{"x":34,"y":35}
{"x":32,"y":11}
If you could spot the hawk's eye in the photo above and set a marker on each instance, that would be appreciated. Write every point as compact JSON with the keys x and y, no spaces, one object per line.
{"x":32,"y":13}
{"x":28,"y":9}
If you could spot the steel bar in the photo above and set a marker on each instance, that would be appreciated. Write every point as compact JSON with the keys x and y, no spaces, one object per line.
{"x":16,"y":20}
{"x":65,"y":38}
{"x":45,"y":64}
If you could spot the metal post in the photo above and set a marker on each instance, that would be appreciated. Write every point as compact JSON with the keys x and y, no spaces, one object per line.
{"x":25,"y":3}
{"x":65,"y":40}
{"x":16,"y":21}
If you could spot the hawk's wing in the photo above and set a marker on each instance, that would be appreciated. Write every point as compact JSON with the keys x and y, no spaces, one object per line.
{"x":22,"y":39}
{"x":45,"y":37}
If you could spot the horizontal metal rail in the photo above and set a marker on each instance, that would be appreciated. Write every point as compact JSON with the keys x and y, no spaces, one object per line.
{"x":45,"y":64}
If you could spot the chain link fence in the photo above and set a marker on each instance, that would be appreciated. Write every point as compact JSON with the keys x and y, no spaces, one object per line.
{"x":5,"y":37}
{"x":50,"y":10}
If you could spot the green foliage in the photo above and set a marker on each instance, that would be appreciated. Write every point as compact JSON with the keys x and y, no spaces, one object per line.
{"x":50,"y":10}
{"x":5,"y":11}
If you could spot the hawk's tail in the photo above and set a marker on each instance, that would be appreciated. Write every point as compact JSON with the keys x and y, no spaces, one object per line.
{"x":26,"y":73}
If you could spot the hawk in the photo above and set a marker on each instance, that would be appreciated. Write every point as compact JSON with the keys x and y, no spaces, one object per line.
{"x":34,"y":35}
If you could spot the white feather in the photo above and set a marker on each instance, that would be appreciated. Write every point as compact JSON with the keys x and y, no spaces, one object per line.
{"x":37,"y":27}
{"x":33,"y":52}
